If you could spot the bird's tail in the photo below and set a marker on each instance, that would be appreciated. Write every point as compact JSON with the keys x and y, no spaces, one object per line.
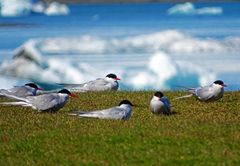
{"x":84,"y":114}
{"x":76,"y":113}
{"x":22,"y":103}
{"x":187,"y":89}
{"x":181,"y":97}
{"x":15,"y":97}
{"x":2,"y":91}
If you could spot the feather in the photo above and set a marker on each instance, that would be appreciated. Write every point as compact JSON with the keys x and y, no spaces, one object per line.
{"x":181,"y":97}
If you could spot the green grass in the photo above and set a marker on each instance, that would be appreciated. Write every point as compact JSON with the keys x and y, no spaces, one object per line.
{"x":197,"y":134}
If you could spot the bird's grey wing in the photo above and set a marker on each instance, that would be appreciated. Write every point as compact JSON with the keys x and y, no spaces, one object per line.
{"x":21,"y":100}
{"x":90,"y":85}
{"x":17,"y":91}
{"x":3,"y":92}
{"x":10,"y":95}
{"x":111,"y":113}
{"x":114,"y":113}
{"x":166,"y":102}
{"x":204,"y":93}
{"x":98,"y":85}
{"x":97,"y":82}
{"x":44,"y":102}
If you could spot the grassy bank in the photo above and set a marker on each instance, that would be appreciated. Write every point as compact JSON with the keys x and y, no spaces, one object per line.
{"x":197,"y":134}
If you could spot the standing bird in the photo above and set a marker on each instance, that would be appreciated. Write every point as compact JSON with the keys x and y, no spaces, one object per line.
{"x":208,"y":93}
{"x":110,"y":82}
{"x":51,"y":102}
{"x":29,"y":89}
{"x":160,"y":104}
{"x":121,"y":112}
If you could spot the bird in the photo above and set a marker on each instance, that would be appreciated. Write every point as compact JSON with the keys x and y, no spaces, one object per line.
{"x":110,"y":82}
{"x":209,"y":93}
{"x":51,"y":102}
{"x":29,"y":89}
{"x":121,"y":112}
{"x":159,"y":104}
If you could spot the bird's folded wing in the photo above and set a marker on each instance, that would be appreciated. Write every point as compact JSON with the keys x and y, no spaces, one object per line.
{"x":98,"y":82}
{"x":14,"y":97}
{"x":45,"y":101}
{"x":204,"y":93}
{"x":21,"y":91}
{"x":111,"y":113}
{"x":166,"y":102}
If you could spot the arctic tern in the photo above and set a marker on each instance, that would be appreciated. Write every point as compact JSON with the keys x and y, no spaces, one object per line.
{"x":110,"y":82}
{"x":29,"y":89}
{"x":51,"y":102}
{"x":208,"y":93}
{"x":160,"y":104}
{"x":121,"y":112}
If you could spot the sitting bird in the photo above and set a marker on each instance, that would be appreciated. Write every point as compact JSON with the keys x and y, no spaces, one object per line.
{"x":50,"y":102}
{"x":121,"y":112}
{"x":208,"y":93}
{"x":29,"y":89}
{"x":110,"y":82}
{"x":160,"y":104}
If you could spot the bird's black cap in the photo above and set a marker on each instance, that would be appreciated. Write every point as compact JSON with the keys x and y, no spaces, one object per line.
{"x":32,"y":85}
{"x":111,"y":76}
{"x":158,"y":94}
{"x":219,"y":82}
{"x":126,"y":102}
{"x":65,"y":91}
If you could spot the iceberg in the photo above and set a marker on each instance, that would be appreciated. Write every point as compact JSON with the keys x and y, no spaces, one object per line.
{"x":38,"y":7}
{"x":13,"y":8}
{"x":188,"y":8}
{"x":159,"y":60}
{"x":162,"y":72}
{"x":56,"y":8}
{"x":210,"y":10}
{"x":171,"y":41}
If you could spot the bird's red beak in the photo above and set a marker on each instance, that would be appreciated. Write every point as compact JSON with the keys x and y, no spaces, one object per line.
{"x":73,"y":95}
{"x":40,"y":89}
{"x":117,"y":78}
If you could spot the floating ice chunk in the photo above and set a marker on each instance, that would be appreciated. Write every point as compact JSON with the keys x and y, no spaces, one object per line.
{"x":38,"y":7}
{"x":188,"y":8}
{"x":12,"y":8}
{"x":210,"y":10}
{"x":163,"y":72}
{"x":84,"y":44}
{"x":20,"y":67}
{"x":56,"y":8}
{"x":28,"y":51}
{"x":163,"y":66}
{"x":185,"y":8}
{"x":160,"y":69}
{"x":171,"y":41}
{"x":141,"y":80}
